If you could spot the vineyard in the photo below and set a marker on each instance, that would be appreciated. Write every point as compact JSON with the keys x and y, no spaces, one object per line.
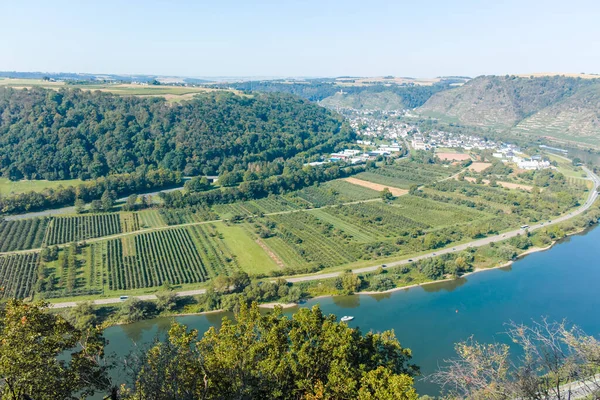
{"x":404,"y":175}
{"x":76,"y":228}
{"x":150,"y":219}
{"x":378,"y":220}
{"x":334,"y":192}
{"x":18,"y":273}
{"x":186,"y":216}
{"x":22,"y":234}
{"x":266,"y":205}
{"x":315,"y":241}
{"x":129,"y":222}
{"x":434,"y":213}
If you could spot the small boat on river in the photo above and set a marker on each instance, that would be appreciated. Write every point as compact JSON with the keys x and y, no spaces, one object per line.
{"x":346,"y":318}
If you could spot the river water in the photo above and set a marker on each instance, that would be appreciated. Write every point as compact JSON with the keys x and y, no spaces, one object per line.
{"x":559,"y":283}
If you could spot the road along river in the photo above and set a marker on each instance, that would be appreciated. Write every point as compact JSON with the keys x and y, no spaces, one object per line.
{"x":561,"y":282}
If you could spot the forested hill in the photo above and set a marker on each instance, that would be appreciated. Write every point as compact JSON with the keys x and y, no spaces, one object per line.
{"x":79,"y":134}
{"x":331,"y":94}
{"x":559,"y":107}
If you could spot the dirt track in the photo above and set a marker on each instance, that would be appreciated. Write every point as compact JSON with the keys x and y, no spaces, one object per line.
{"x":376,"y":186}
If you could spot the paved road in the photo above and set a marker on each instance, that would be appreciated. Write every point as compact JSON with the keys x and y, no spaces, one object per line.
{"x":477,"y":243}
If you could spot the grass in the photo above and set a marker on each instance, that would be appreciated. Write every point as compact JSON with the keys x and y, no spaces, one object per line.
{"x":14,"y":187}
{"x":566,"y":167}
{"x":171,"y":93}
{"x":250,"y":256}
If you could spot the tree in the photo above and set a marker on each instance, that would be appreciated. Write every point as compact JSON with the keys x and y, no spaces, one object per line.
{"x":96,"y":206}
{"x":197,"y":184}
{"x":107,"y":201}
{"x":350,"y":283}
{"x":264,"y":356}
{"x":166,"y":301}
{"x":133,"y":310}
{"x":551,"y":355}
{"x":238,"y":281}
{"x":386,"y":195}
{"x":33,"y":340}
{"x":83,"y":316}
{"x":130,"y":204}
{"x":79,"y":206}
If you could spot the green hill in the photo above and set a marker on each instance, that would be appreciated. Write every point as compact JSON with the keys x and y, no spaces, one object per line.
{"x":558,"y":107}
{"x":366,"y":100}
{"x":70,"y":133}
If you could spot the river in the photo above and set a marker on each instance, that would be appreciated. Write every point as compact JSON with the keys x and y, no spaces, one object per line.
{"x":562,"y":282}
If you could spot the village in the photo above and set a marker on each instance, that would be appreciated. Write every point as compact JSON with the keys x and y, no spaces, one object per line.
{"x":383,"y":133}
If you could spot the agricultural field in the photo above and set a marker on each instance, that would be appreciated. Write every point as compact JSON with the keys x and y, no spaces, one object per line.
{"x":150,"y":259}
{"x":18,"y":274}
{"x":81,"y":227}
{"x":333,"y":192}
{"x":150,"y":219}
{"x":186,"y":216}
{"x":22,"y":234}
{"x":14,"y":187}
{"x":403,"y":175}
{"x":129,"y":222}
{"x":266,"y":205}
{"x":316,"y":242}
{"x":250,"y":253}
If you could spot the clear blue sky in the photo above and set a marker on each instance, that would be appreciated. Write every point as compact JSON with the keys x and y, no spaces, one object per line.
{"x":420,"y":38}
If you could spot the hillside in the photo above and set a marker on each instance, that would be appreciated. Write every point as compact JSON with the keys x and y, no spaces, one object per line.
{"x":70,"y":133}
{"x":557,"y":107}
{"x":366,"y":100}
{"x":354,"y":93}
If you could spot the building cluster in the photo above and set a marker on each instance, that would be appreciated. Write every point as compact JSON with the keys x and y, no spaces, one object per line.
{"x":378,"y":123}
{"x":359,"y":156}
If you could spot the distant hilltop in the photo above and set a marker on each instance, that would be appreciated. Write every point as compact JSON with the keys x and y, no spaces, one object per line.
{"x":564,"y":108}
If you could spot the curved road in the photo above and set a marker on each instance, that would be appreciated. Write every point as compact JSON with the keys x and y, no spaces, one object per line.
{"x":477,"y":243}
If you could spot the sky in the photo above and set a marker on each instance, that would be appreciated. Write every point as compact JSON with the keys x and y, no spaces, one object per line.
{"x":420,"y":38}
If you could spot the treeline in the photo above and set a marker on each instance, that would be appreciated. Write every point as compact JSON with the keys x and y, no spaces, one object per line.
{"x":412,"y":96}
{"x":254,"y":356}
{"x":70,"y":133}
{"x":119,"y":184}
{"x":289,"y":181}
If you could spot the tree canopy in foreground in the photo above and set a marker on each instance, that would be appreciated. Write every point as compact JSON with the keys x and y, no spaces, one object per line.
{"x":270,"y":356}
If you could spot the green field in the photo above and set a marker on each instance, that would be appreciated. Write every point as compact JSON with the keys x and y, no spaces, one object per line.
{"x":248,"y":253}
{"x":332,"y":226}
{"x":14,"y":187}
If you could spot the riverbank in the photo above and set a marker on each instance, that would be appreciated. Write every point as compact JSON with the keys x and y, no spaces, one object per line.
{"x":289,"y":305}
{"x":559,"y":283}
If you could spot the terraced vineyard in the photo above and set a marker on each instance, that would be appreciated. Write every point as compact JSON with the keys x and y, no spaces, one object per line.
{"x":22,"y":234}
{"x":18,"y":274}
{"x":77,"y":228}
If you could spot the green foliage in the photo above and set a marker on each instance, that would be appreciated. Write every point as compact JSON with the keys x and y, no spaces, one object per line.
{"x":386,"y":195}
{"x":134,"y":309}
{"x":18,"y":273}
{"x":107,"y":134}
{"x":118,"y":184}
{"x":32,"y":363}
{"x":22,"y":234}
{"x":268,"y":356}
